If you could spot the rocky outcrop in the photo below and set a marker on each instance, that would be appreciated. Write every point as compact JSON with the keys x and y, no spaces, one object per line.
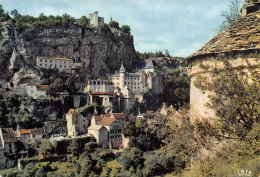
{"x":101,"y":50}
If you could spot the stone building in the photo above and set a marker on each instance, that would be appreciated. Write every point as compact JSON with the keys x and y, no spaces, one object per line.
{"x":95,"y":20}
{"x":62,"y":64}
{"x":105,"y":99}
{"x":76,"y":123}
{"x":100,"y":133}
{"x":99,"y":86}
{"x":35,"y":91}
{"x":8,"y":148}
{"x":238,"y":44}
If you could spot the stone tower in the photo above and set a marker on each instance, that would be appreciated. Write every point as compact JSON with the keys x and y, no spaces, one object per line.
{"x":237,"y":43}
{"x":250,"y":6}
{"x":122,"y":76}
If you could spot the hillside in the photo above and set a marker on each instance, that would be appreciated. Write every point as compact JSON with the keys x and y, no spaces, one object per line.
{"x":101,"y":49}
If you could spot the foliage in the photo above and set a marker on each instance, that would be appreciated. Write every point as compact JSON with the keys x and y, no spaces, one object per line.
{"x":236,"y":97}
{"x":126,"y":29}
{"x":57,"y":86}
{"x":70,"y":86}
{"x":14,"y":109}
{"x":157,"y":53}
{"x":130,"y":128}
{"x":114,"y":24}
{"x":177,"y":90}
{"x":45,"y":147}
{"x":232,"y":14}
{"x":4,"y":16}
{"x":84,"y":22}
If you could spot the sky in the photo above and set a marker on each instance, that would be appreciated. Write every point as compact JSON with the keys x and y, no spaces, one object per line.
{"x":180,"y":26}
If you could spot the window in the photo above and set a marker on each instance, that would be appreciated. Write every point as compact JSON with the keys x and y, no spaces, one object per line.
{"x":40,"y":64}
{"x":64,"y":66}
{"x":33,"y":136}
{"x":115,"y":130}
{"x":45,"y":60}
{"x":118,"y":83}
{"x":111,"y":131}
{"x":41,"y":60}
{"x":60,"y":66}
{"x":50,"y":65}
{"x":51,"y":61}
{"x":119,"y":130}
{"x":32,"y":91}
{"x":46,"y":65}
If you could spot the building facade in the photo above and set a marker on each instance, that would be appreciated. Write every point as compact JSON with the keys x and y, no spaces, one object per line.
{"x":95,"y":20}
{"x":35,"y":91}
{"x":62,"y":64}
{"x":76,"y":123}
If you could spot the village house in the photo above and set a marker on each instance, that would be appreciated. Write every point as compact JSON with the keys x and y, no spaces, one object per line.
{"x":8,"y":148}
{"x":35,"y":91}
{"x":62,"y":64}
{"x":95,"y":20}
{"x":76,"y":123}
{"x":114,"y":123}
{"x":100,"y":133}
{"x":104,"y":99}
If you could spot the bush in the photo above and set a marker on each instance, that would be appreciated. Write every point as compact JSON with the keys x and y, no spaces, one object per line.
{"x":114,"y":24}
{"x":126,"y":29}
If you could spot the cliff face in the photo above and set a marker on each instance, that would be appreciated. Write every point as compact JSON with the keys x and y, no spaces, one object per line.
{"x":102,"y":50}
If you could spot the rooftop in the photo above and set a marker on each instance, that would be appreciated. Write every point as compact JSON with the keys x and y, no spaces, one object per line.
{"x":242,"y":35}
{"x":101,"y":93}
{"x":43,"y":87}
{"x":119,"y":115}
{"x":107,"y":121}
{"x":36,"y":131}
{"x":24,"y":131}
{"x":53,"y":58}
{"x":9,"y":135}
{"x":95,"y":127}
{"x":73,"y":112}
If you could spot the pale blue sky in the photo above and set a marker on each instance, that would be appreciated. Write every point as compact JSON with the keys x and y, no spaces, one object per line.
{"x":180,"y":26}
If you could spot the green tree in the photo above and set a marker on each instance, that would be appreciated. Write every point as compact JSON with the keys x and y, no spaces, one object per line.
{"x":236,"y":97}
{"x":70,"y":86}
{"x":57,"y":86}
{"x":114,"y":24}
{"x":15,"y":13}
{"x":84,"y":22}
{"x":45,"y":147}
{"x":126,"y":29}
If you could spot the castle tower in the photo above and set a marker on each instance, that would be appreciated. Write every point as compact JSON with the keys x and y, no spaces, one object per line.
{"x":250,"y":6}
{"x":243,"y":53}
{"x":122,"y":76}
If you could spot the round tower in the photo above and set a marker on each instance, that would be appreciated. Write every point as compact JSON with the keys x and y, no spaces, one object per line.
{"x":122,"y":76}
{"x":239,"y":45}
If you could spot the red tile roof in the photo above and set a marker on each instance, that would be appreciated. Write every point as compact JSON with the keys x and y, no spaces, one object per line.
{"x":55,"y":58}
{"x":98,"y":117}
{"x":8,"y":135}
{"x":101,"y":93}
{"x":24,"y":131}
{"x":107,"y":121}
{"x":74,"y":112}
{"x":36,"y":131}
{"x":43,"y":87}
{"x":119,"y":115}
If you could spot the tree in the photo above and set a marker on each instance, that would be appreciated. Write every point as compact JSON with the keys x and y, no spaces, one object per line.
{"x":15,"y":13}
{"x":57,"y":86}
{"x":236,"y":97}
{"x":70,"y":86}
{"x":232,"y":14}
{"x":84,"y":22}
{"x":45,"y":147}
{"x":126,"y":29}
{"x":114,"y":24}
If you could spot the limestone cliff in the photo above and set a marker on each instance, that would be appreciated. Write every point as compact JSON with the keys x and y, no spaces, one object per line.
{"x":101,"y":50}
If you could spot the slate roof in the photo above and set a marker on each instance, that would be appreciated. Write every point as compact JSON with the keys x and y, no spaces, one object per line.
{"x":242,"y":35}
{"x":8,"y":135}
